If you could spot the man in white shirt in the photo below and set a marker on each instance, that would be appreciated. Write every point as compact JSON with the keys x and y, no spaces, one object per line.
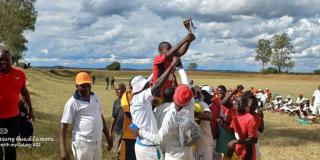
{"x":169,"y":132}
{"x":142,"y":113}
{"x":84,"y":111}
{"x":316,"y":101}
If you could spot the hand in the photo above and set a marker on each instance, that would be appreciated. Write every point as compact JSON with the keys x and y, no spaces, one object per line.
{"x":135,"y":132}
{"x":110,"y":145}
{"x":65,"y":156}
{"x":232,"y":145}
{"x":239,"y":88}
{"x":30,"y":116}
{"x":190,"y":37}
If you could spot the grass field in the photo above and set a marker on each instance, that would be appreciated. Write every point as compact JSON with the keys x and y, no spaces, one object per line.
{"x":283,"y":137}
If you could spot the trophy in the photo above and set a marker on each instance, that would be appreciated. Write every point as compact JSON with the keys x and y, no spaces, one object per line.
{"x":189,"y":25}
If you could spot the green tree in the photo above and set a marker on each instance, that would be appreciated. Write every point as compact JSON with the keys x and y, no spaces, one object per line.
{"x":114,"y":66}
{"x":192,"y":66}
{"x":16,"y":18}
{"x":317,"y":71}
{"x":264,"y":52}
{"x":270,"y":70}
{"x":281,"y":50}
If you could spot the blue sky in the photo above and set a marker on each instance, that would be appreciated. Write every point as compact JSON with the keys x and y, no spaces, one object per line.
{"x":94,"y":33}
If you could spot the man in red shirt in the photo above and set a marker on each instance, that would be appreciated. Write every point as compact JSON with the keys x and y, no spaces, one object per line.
{"x":162,"y":61}
{"x":245,"y":130}
{"x":12,"y":84}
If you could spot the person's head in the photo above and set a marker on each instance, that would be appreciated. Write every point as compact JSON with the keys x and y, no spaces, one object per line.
{"x":83,"y":84}
{"x":196,"y":92}
{"x":288,"y":97}
{"x":168,"y":94}
{"x":5,"y":60}
{"x":221,"y":91}
{"x":139,"y":83}
{"x":241,"y":104}
{"x":164,"y":47}
{"x":120,"y":89}
{"x":253,"y":102}
{"x":182,"y":95}
{"x":207,"y":93}
{"x":300,"y":95}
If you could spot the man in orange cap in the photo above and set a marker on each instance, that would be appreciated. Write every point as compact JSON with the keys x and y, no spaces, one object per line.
{"x":84,"y":111}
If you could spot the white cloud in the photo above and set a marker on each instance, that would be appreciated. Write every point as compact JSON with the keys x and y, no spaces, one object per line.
{"x":45,"y":51}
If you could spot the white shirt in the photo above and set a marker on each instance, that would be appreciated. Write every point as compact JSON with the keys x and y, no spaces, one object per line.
{"x":85,"y":118}
{"x":300,"y":100}
{"x":142,"y":114}
{"x":160,"y":112}
{"x":316,"y":95}
{"x":168,"y":133}
{"x":206,"y":136}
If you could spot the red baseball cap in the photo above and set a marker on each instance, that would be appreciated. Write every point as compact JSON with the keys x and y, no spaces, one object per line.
{"x":182,"y":95}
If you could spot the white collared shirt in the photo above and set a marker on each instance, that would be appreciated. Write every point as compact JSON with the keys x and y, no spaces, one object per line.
{"x":85,"y":118}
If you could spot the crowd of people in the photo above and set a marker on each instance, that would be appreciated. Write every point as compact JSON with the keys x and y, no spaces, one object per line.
{"x":157,"y":118}
{"x":302,"y":107}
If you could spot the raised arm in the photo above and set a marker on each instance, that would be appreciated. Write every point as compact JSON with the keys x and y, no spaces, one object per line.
{"x":163,"y":78}
{"x":228,"y":97}
{"x":183,"y":45}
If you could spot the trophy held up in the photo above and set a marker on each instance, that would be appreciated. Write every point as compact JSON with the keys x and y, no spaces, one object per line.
{"x":188,"y":24}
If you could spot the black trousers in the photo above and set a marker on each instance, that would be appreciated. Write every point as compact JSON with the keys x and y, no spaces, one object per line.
{"x":9,"y":130}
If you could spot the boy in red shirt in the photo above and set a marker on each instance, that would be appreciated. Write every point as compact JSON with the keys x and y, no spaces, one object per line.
{"x":245,"y":130}
{"x":162,"y":61}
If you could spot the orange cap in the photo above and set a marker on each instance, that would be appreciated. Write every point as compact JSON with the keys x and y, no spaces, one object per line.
{"x":82,"y":78}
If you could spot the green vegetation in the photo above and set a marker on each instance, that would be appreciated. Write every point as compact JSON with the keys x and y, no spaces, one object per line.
{"x":114,"y":66}
{"x":283,"y":138}
{"x":192,"y":66}
{"x":16,"y":17}
{"x":277,"y":51}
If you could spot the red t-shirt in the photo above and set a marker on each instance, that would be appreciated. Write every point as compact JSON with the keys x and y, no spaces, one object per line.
{"x":10,"y":87}
{"x":244,"y":126}
{"x":160,"y":64}
{"x":215,"y":110}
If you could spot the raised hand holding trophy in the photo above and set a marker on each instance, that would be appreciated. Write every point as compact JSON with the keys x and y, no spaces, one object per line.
{"x":188,"y":24}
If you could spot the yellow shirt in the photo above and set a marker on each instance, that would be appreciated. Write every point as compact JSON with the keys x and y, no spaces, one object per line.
{"x":125,"y":103}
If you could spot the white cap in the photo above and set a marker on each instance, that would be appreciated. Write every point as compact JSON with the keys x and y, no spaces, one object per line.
{"x":208,"y":89}
{"x":138,"y":83}
{"x":288,"y":96}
